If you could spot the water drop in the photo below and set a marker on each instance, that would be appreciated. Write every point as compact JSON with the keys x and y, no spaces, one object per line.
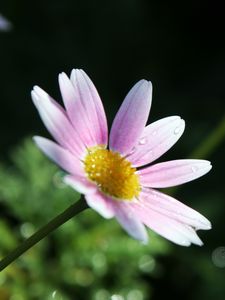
{"x":143,"y":141}
{"x":185,"y":243}
{"x":177,"y":130}
{"x":194,"y":169}
{"x":154,"y":132}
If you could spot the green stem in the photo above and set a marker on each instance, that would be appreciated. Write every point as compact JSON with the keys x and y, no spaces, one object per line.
{"x":211,"y":142}
{"x":70,"y":212}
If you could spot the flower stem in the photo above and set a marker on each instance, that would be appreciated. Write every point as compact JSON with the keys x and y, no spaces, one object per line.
{"x":70,"y":212}
{"x":214,"y":139}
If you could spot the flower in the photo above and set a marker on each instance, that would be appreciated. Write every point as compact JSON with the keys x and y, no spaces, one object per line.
{"x":117,"y":180}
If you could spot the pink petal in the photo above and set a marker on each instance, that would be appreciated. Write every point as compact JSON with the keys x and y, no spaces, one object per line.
{"x":172,"y":208}
{"x":60,"y":156}
{"x":57,"y":123}
{"x":131,"y":118}
{"x":172,"y":173}
{"x":84,"y":107}
{"x":100,"y":203}
{"x":129,"y":221}
{"x":80,"y":184}
{"x":76,"y":111}
{"x":169,"y":228}
{"x":156,"y":139}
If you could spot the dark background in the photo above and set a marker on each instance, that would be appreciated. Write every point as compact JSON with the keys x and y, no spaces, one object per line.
{"x":179,"y":46}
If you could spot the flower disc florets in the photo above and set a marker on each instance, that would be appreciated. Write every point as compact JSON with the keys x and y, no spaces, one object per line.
{"x":113,"y":174}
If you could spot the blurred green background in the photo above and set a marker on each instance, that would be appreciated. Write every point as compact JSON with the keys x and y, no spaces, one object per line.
{"x":180,"y":47}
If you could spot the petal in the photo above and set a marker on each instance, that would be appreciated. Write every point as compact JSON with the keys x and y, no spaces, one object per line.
{"x":76,"y":111}
{"x":156,"y":139}
{"x":57,"y":123}
{"x":131,"y":118}
{"x":173,"y":209}
{"x":84,"y":107}
{"x":172,"y":173}
{"x":60,"y":156}
{"x":80,"y":184}
{"x":169,"y":228}
{"x":100,"y":203}
{"x":129,"y":221}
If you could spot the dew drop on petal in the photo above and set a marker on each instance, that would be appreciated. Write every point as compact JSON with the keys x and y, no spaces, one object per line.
{"x":194,"y":169}
{"x":185,"y":243}
{"x":177,"y":130}
{"x":143,"y":141}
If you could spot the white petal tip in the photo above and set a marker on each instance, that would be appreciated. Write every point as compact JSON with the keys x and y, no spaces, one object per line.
{"x":37,"y":89}
{"x":196,"y":240}
{"x":181,"y":126}
{"x":206,"y":225}
{"x":209,"y":226}
{"x":34,"y":97}
{"x":38,"y":140}
{"x":208,"y":166}
{"x":200,"y":243}
{"x":38,"y":94}
{"x":185,"y":243}
{"x":144,"y":241}
{"x":140,"y":235}
{"x":68,"y":180}
{"x":76,"y":72}
{"x":35,"y":138}
{"x":146,"y":84}
{"x":62,"y":76}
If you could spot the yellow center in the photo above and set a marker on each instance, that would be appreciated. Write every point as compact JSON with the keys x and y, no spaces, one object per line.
{"x":113,"y":174}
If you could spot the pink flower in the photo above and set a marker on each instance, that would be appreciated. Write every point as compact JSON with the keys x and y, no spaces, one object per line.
{"x":118,"y":181}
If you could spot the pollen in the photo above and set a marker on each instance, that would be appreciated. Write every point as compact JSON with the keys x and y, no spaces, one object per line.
{"x":113,"y":174}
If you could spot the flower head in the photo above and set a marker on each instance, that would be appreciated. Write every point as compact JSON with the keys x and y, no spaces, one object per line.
{"x":116,"y":175}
